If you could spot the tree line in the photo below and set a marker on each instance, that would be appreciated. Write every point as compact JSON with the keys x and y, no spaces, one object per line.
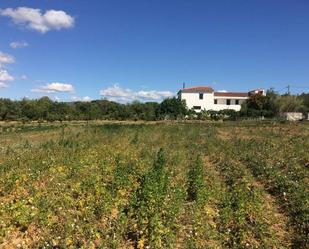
{"x":171,"y":108}
{"x":46,"y":109}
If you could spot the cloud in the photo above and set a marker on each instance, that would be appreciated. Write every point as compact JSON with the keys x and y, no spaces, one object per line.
{"x":118,"y":94}
{"x":18,"y":44}
{"x":6,"y":59}
{"x":86,"y":99}
{"x":83,"y":99}
{"x":154,"y":95}
{"x":5,"y":76}
{"x":54,"y":87}
{"x":3,"y":85}
{"x":34,"y":19}
{"x":24,"y":77}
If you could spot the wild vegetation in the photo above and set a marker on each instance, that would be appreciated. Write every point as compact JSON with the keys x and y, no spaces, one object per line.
{"x":154,"y":185}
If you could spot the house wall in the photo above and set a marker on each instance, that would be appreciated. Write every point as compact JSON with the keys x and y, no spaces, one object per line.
{"x":207,"y":103}
{"x":192,"y":99}
{"x":223,"y":107}
{"x":221,"y":103}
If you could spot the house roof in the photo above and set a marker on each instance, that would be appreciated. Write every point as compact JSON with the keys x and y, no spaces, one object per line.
{"x":208,"y":89}
{"x":198,"y":89}
{"x":230,"y":94}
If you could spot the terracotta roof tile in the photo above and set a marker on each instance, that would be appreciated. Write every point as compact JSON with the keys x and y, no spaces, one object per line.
{"x":201,"y":89}
{"x":231,"y":94}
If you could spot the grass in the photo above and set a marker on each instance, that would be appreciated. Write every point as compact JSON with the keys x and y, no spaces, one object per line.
{"x":154,"y":185}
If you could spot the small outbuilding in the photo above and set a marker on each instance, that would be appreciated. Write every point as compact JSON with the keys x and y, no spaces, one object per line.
{"x":292,"y":116}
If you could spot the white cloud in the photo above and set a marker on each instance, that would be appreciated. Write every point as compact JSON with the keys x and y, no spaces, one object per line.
{"x":222,"y":91}
{"x":36,"y":20}
{"x":154,"y":95}
{"x":3,"y":85}
{"x":18,"y":44}
{"x":24,"y":77}
{"x":5,"y":76}
{"x":86,"y":99}
{"x":83,"y":99}
{"x":116,"y":93}
{"x":54,"y":87}
{"x":6,"y":59}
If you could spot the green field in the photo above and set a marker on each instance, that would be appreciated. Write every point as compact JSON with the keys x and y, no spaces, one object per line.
{"x":154,"y":185}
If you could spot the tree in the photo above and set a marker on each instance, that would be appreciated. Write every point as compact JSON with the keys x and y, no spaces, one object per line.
{"x":290,"y":103}
{"x":305,"y":99}
{"x":143,"y":111}
{"x":44,"y":106}
{"x":259,"y":105}
{"x":172,"y":108}
{"x":9,"y":110}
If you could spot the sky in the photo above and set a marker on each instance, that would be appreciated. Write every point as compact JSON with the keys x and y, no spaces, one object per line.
{"x":144,"y":50}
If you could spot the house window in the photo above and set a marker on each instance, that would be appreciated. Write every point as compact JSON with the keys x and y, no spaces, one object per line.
{"x":216,"y":102}
{"x":201,"y":96}
{"x":237,"y":102}
{"x":197,"y":107}
{"x":228,"y":101}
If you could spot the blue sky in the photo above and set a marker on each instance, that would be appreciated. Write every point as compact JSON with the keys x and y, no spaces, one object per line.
{"x":125,"y":50}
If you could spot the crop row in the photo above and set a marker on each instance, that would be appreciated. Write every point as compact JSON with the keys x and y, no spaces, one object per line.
{"x":242,"y":215}
{"x":285,"y":179}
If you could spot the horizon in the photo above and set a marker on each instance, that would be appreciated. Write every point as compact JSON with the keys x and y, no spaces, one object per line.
{"x":126,"y":51}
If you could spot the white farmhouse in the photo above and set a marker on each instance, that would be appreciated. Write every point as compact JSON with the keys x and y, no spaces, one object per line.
{"x":205,"y":98}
